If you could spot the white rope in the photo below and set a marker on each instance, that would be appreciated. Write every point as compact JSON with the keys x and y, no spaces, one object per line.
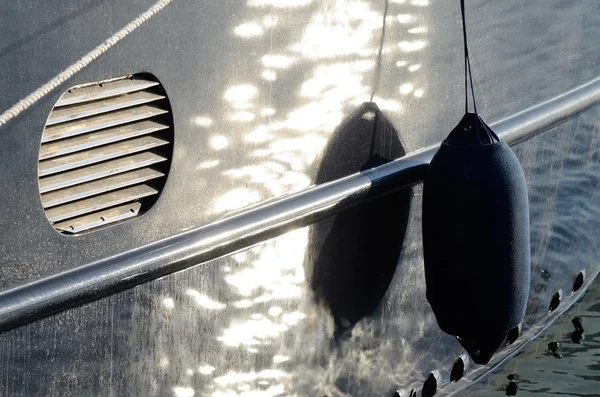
{"x":69,"y":72}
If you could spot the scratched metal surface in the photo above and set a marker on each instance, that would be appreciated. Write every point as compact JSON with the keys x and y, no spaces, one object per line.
{"x":258,"y":88}
{"x":249,"y":324}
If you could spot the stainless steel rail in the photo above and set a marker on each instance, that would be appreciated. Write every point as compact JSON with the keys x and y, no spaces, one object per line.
{"x":83,"y":284}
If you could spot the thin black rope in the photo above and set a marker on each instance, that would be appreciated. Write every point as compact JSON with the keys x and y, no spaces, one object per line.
{"x":376,"y":78}
{"x":467,"y":62}
{"x":374,"y":135}
{"x":380,"y":52}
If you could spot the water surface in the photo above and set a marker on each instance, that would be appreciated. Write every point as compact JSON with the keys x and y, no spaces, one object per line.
{"x":572,"y":370}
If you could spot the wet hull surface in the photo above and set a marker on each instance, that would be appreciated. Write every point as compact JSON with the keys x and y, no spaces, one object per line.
{"x":249,"y":322}
{"x":258,"y":99}
{"x":242,"y":137}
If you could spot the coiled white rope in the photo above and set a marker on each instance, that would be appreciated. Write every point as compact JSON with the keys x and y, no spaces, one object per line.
{"x":69,"y":72}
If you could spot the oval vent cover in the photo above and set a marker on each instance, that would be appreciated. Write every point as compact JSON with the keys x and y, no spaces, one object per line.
{"x":105,"y":152}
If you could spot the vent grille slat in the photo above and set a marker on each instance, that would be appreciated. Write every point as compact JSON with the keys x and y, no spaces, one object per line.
{"x":97,"y":171}
{"x":100,"y":218}
{"x":99,"y":202}
{"x":94,"y":123}
{"x":103,"y":90}
{"x":84,"y":190}
{"x":99,"y":138}
{"x":75,"y":112}
{"x":105,"y":153}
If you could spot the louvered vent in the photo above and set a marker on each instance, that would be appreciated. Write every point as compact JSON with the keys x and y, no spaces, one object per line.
{"x":105,"y":153}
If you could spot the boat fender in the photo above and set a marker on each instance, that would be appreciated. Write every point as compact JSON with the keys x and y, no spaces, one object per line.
{"x":476,"y":235}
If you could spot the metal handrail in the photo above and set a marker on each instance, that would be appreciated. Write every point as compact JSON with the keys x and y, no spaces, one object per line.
{"x":74,"y":287}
